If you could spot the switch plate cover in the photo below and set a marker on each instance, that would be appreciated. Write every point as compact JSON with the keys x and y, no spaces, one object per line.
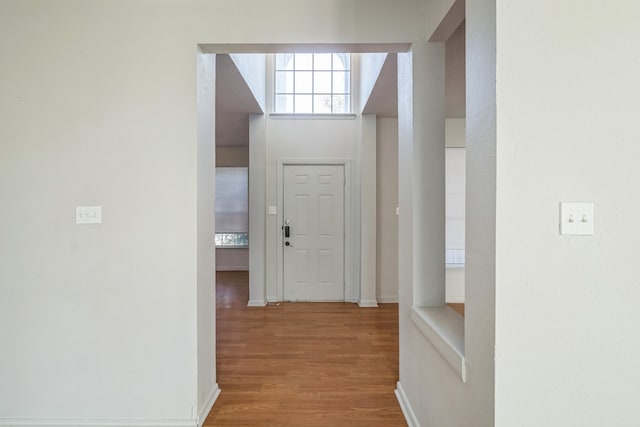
{"x":88,"y":214}
{"x":576,"y":219}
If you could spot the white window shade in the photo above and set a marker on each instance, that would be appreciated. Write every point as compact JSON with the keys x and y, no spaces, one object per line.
{"x":454,"y":205}
{"x":232,"y":200}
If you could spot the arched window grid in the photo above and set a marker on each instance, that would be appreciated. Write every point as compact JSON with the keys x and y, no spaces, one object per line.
{"x":313,"y":83}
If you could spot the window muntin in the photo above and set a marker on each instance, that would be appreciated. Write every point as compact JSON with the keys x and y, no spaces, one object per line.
{"x":313,"y":83}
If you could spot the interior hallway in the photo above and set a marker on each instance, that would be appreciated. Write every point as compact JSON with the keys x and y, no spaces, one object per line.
{"x":303,"y":364}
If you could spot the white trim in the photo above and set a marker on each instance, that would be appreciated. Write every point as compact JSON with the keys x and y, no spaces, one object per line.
{"x":70,"y":422}
{"x":350,"y":291}
{"x":368,"y":303}
{"x":458,"y":299}
{"x":444,"y":329}
{"x":232,"y":268}
{"x":391,"y":299}
{"x":407,"y":411}
{"x":309,"y":116}
{"x":208,"y":404}
{"x":454,"y":266}
{"x":257,"y":303}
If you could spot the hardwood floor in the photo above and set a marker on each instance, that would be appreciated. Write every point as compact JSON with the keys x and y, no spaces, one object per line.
{"x":457,"y":307}
{"x":304,"y":364}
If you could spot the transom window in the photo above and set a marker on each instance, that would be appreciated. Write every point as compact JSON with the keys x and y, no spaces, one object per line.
{"x":313,"y":83}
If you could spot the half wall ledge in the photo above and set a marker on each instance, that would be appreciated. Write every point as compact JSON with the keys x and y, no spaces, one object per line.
{"x":444,"y":328}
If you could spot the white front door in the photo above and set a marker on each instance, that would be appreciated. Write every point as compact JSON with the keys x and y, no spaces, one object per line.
{"x":314,"y":251}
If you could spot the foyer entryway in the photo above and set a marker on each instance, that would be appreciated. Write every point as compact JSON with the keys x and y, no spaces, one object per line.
{"x":303,"y":364}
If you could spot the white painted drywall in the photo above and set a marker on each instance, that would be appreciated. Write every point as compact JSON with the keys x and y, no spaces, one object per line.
{"x":206,"y":294}
{"x":370,"y":67}
{"x":567,"y":347}
{"x":231,"y":156}
{"x":454,"y":279}
{"x":252,"y":67}
{"x":257,"y":209}
{"x":228,"y":259}
{"x":99,"y":108}
{"x":368,"y":211}
{"x":455,"y":79}
{"x":105,"y":317}
{"x":387,"y":202}
{"x":434,"y":394}
{"x":290,"y":139}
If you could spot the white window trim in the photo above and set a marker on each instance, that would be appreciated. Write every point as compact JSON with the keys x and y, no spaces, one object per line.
{"x":313,"y":116}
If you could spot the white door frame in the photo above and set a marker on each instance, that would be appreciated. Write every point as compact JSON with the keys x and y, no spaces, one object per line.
{"x":350,"y":294}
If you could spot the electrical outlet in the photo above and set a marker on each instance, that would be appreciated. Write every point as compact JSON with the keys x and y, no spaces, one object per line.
{"x":88,"y":215}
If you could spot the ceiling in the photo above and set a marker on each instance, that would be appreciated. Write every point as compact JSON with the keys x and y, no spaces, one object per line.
{"x":234,"y":103}
{"x":383,"y":100}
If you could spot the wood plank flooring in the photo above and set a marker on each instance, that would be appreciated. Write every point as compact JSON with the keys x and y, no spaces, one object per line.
{"x":457,"y":307}
{"x":304,"y":364}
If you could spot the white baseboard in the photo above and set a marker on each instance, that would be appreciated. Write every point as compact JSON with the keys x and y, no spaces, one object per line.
{"x":208,"y":405}
{"x":62,"y":422}
{"x":232,"y":268}
{"x":407,"y":411}
{"x":257,"y":303}
{"x":455,"y":299}
{"x":368,"y":303}
{"x":388,"y":300}
{"x":78,"y":422}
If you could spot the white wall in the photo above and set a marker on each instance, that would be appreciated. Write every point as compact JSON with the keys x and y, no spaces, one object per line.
{"x":252,"y":68}
{"x":432,"y":392}
{"x":105,"y":316}
{"x":455,"y":79}
{"x":99,"y":107}
{"x":304,"y":139}
{"x":387,"y":201}
{"x":257,"y":209}
{"x":567,"y":345}
{"x":228,"y":156}
{"x":208,"y":389}
{"x":232,"y":259}
{"x":370,"y":67}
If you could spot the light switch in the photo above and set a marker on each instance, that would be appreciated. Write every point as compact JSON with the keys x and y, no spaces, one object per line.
{"x":88,"y":215}
{"x":397,"y":210}
{"x":576,"y":219}
{"x":272,"y":210}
